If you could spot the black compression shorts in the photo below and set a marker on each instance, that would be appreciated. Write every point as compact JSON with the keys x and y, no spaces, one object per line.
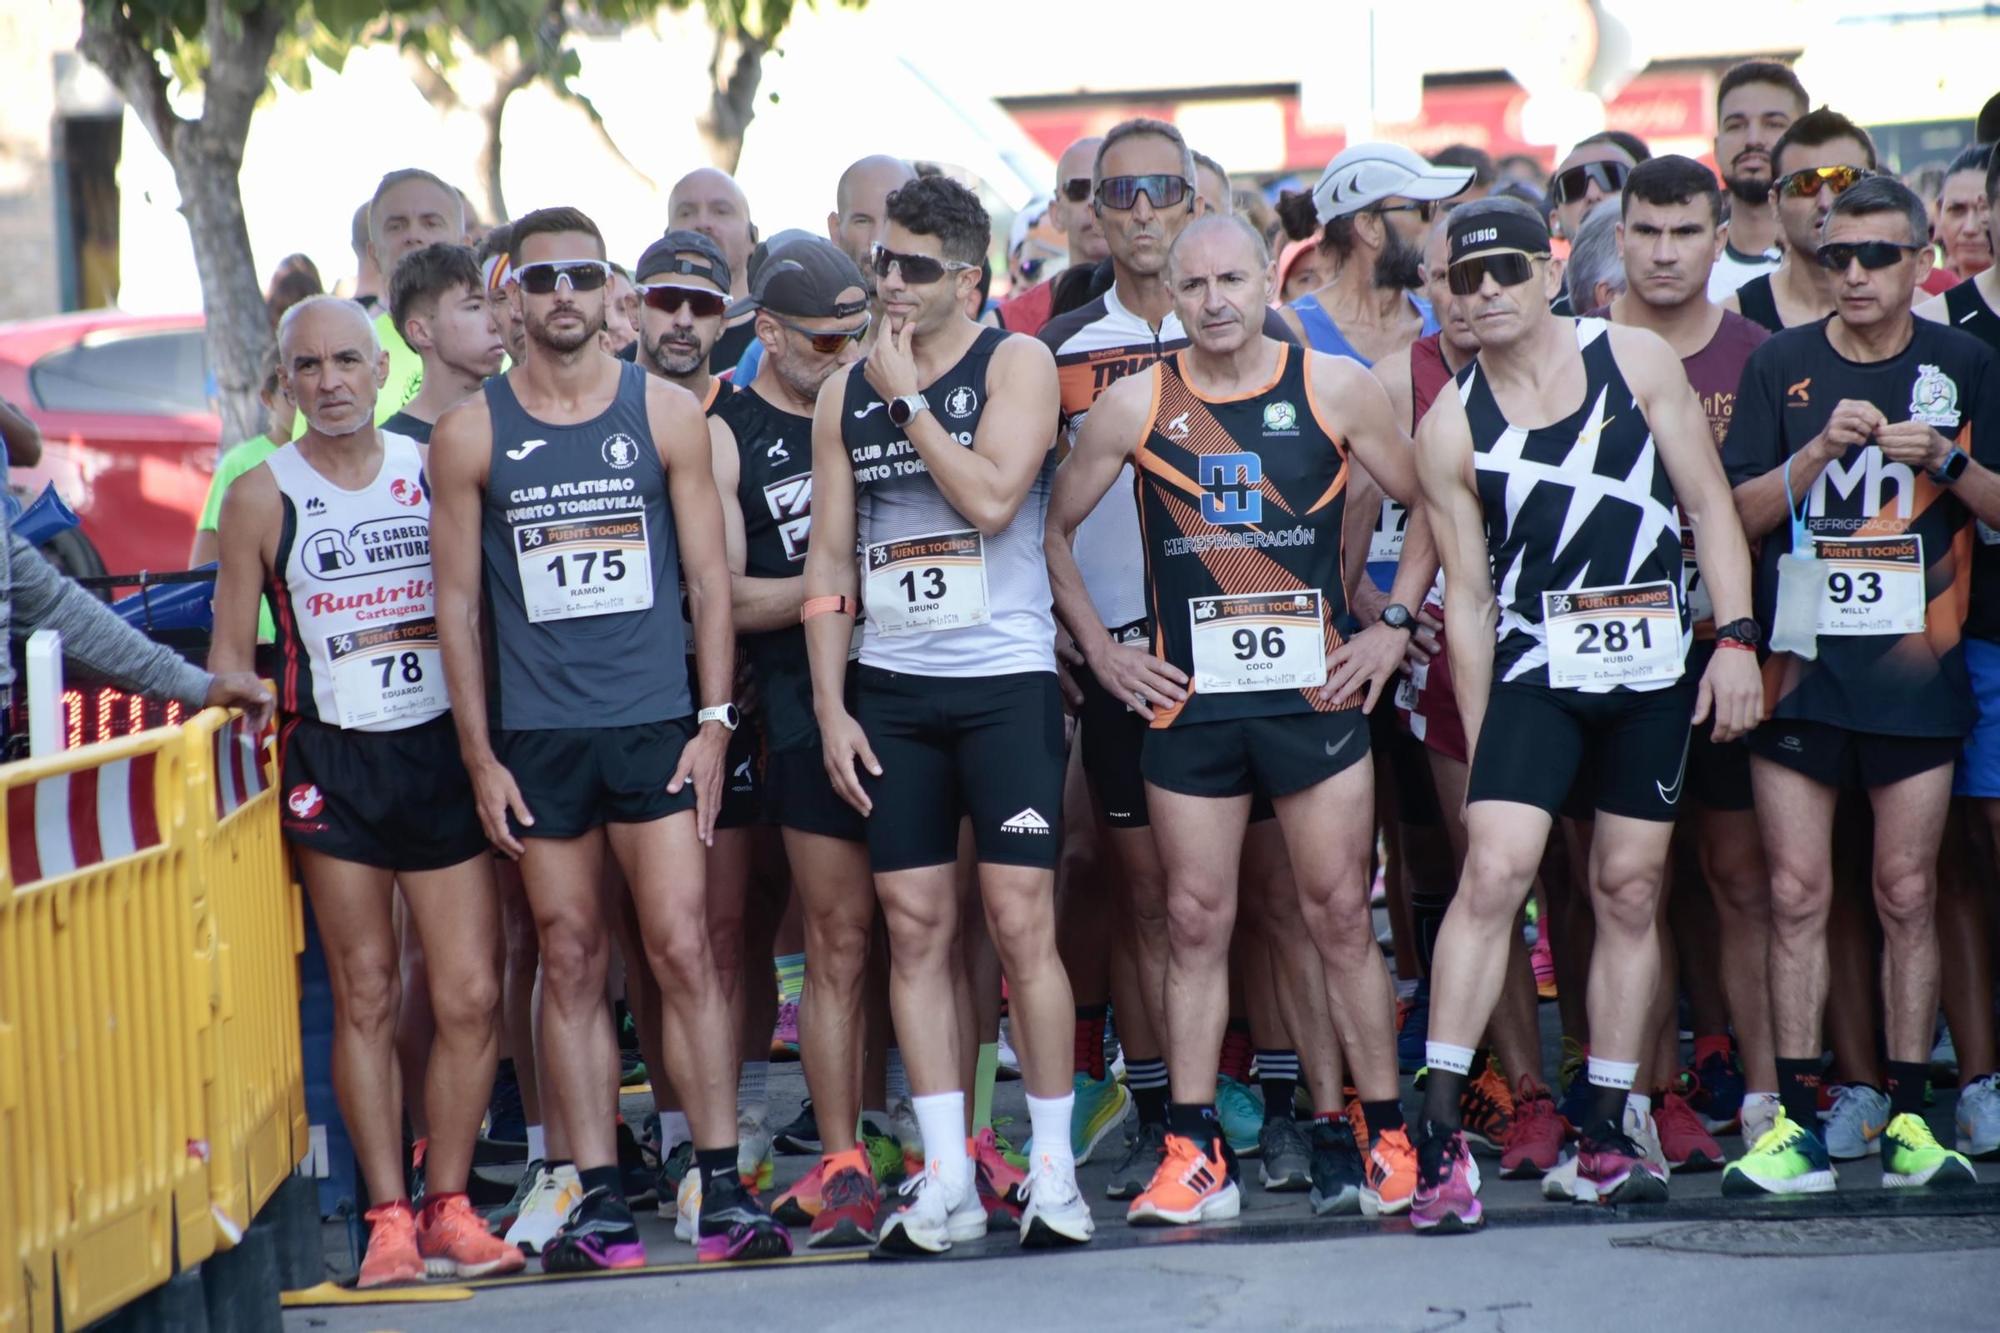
{"x":1535,"y":742}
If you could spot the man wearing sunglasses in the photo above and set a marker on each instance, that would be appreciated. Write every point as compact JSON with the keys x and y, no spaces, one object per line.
{"x":1860,"y":452}
{"x":1755,"y":103}
{"x":1552,"y":476}
{"x":683,"y":280}
{"x":1819,"y":155}
{"x":932,"y":459}
{"x":1594,"y":170}
{"x":570,"y":496}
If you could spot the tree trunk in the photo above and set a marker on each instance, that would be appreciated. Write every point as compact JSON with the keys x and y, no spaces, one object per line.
{"x":732,"y":103}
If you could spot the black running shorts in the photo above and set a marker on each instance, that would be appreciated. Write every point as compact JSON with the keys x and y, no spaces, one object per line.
{"x":1858,"y":760}
{"x":1111,"y":736}
{"x":1272,"y":757}
{"x":1536,"y":741}
{"x":1718,"y":775}
{"x":799,"y":795}
{"x":397,"y":800}
{"x":743,"y":779}
{"x":576,"y":779}
{"x":1409,"y":765}
{"x":986,"y":746}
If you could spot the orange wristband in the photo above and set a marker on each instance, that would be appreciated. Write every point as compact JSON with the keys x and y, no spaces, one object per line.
{"x":825,"y":606}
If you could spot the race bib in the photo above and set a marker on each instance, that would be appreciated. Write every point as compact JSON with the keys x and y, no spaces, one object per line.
{"x":918,"y":585}
{"x":1874,"y":585}
{"x":1602,"y":637}
{"x":1257,"y":641}
{"x":573,"y":568}
{"x":387,"y":672}
{"x":1385,"y":544}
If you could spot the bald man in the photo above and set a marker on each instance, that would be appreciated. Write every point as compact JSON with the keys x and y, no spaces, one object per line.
{"x":860,"y":203}
{"x":1026,"y":312}
{"x":711,"y":202}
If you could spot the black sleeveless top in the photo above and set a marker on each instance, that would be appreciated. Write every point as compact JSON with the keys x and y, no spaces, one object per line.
{"x":1758,"y":305}
{"x":1966,"y":309}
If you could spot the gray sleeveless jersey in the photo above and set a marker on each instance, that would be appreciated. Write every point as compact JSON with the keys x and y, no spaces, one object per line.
{"x":581,"y":568}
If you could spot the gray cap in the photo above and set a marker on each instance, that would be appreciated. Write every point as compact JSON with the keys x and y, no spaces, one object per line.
{"x":666,"y":257}
{"x":1368,"y":173}
{"x":802,"y":275}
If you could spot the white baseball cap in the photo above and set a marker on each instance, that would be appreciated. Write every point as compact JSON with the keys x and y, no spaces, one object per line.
{"x":1367,"y":173}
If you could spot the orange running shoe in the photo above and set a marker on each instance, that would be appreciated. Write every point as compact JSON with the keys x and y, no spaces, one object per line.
{"x":800,"y":1204}
{"x":1392,"y":1175}
{"x":1487,"y":1109}
{"x":455,"y":1242}
{"x":392,"y":1256}
{"x":1191,"y":1185}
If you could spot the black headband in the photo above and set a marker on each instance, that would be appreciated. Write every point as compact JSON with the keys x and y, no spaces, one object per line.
{"x":1497,"y":230}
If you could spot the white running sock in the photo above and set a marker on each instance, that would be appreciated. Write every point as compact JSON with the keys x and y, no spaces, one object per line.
{"x":674,"y":1131}
{"x":941,"y":1119}
{"x":538,"y":1144}
{"x":1611,"y":1073}
{"x":1048,"y":1120}
{"x":898,"y":1082}
{"x":753,"y":1081}
{"x":1451,"y":1059}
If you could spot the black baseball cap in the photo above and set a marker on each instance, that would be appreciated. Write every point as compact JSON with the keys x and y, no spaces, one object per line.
{"x":668,"y":257}
{"x":805,"y":276}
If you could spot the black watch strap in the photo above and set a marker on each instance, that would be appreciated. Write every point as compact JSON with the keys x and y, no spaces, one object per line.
{"x":1397,"y":616}
{"x":1745,"y":631}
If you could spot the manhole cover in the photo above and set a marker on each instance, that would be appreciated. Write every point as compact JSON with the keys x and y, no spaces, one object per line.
{"x":1824,"y":1236}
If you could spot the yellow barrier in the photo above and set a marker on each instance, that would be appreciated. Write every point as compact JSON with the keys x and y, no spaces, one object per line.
{"x":150,"y":1090}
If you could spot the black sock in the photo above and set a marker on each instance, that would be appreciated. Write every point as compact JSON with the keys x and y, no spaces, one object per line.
{"x":1382,"y":1117}
{"x":1278,"y":1075}
{"x":1607,"y":1107}
{"x":555,"y":1164}
{"x":1442,"y":1089}
{"x":1907,"y":1081}
{"x":715,"y":1163}
{"x":1195,"y":1121}
{"x":1798,"y":1090}
{"x":1147,"y":1081}
{"x":600,"y":1178}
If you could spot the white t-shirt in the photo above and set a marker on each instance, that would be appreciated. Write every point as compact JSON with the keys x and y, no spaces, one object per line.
{"x":1735,"y":268}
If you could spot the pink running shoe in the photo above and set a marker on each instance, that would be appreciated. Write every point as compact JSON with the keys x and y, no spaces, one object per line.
{"x":1534,"y":1141}
{"x":1619,"y":1172}
{"x":785,"y":1035}
{"x":1451,"y":1202}
{"x":1543,"y":960}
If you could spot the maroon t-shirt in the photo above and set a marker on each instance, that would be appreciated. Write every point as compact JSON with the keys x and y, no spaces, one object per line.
{"x":1716,"y":372}
{"x":1428,"y":375}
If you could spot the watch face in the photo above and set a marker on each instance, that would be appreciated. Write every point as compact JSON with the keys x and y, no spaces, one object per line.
{"x":899,"y":412}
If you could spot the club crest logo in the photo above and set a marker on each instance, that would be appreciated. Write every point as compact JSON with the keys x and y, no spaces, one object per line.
{"x":1281,"y":418}
{"x":1934,"y":399}
{"x":620,"y":451}
{"x":304,"y":800}
{"x":961,"y":402}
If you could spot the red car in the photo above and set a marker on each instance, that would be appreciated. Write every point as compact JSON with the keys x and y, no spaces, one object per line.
{"x":128,"y":435}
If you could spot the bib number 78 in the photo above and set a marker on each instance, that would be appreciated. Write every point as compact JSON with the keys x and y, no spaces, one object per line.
{"x":411,"y":665}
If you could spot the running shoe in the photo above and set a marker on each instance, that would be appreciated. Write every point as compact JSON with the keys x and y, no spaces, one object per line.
{"x":1414,"y":1034}
{"x":545,"y":1209}
{"x":675,"y":1167}
{"x":733,"y":1226}
{"x":1788,"y":1159}
{"x":1392,"y":1174}
{"x":687,"y":1208}
{"x":1573,"y":1076}
{"x":1944,"y":1055}
{"x":392,"y":1257}
{"x":1542,"y":959}
{"x":1008,"y":1068}
{"x":1535,"y":1136}
{"x":632,"y":1072}
{"x":999,"y":1181}
{"x":1486,"y":1109}
{"x":1617,"y":1168}
{"x":638,"y":1170}
{"x":1192,"y":1184}
{"x":849,"y":1202}
{"x":455,"y":1242}
{"x":1099,"y":1109}
{"x":1451,"y":1202}
{"x":799,"y":1205}
{"x":1714,"y":1088}
{"x":785,"y":1032}
{"x":1684,"y":1141}
{"x":1336,"y":1170}
{"x":903,"y":1124}
{"x":1054,"y":1214}
{"x":1285,"y":1157}
{"x":753,"y":1147}
{"x":1979,"y":1117}
{"x":501,"y":1219}
{"x":1760,"y":1112}
{"x":1854,"y":1125}
{"x":1240,"y":1108}
{"x":413,"y":1178}
{"x":598,"y":1235}
{"x":801,"y":1137}
{"x":1911,"y":1156}
{"x":886,"y":1160}
{"x":933,"y":1218}
{"x":1145,"y":1149}
{"x":1561,"y":1184}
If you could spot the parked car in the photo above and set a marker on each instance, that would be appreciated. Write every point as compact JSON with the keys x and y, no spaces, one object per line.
{"x":128,"y":433}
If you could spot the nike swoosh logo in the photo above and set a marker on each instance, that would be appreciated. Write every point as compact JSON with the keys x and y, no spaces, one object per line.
{"x":1332,"y":749}
{"x":1672,"y":795}
{"x":864,"y":411}
{"x":526,"y":447}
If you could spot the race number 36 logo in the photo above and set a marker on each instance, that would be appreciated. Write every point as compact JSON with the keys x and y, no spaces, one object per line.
{"x":1229,"y":488}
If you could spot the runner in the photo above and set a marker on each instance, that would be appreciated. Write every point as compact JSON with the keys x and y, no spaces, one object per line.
{"x":860,"y":208}
{"x":336,"y":528}
{"x":712,"y":203}
{"x":1072,"y":214}
{"x":494,"y":266}
{"x":1865,"y":508}
{"x":1819,"y":155}
{"x":1755,"y":103}
{"x":549,"y":462}
{"x":1275,"y":704}
{"x":934,"y":455}
{"x":1667,"y":240}
{"x":1552,"y":670}
{"x":437,"y":299}
{"x":683,"y":281}
{"x":1965,"y":215}
{"x":1593,"y":171}
{"x":411,"y":209}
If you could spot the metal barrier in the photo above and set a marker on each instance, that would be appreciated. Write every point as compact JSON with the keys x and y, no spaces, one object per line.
{"x":150,"y":1091}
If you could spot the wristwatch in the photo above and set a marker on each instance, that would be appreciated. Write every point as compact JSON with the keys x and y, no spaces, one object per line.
{"x":906,"y":407}
{"x":1745,"y":631}
{"x":726,"y":714}
{"x":1954,"y":466}
{"x":1397,"y":616}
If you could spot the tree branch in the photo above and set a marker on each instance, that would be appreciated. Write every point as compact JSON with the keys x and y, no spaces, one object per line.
{"x":111,"y":42}
{"x":239,"y":64}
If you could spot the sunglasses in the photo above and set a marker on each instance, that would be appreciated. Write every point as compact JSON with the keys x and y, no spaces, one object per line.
{"x":826,"y":344}
{"x":1808,"y":183}
{"x":1425,"y":210}
{"x":917,"y":270}
{"x":668,"y":300}
{"x":1510,"y":268}
{"x":582,"y":275}
{"x":1872,"y":254}
{"x":1122,"y":192}
{"x":1076,"y":189}
{"x":1573,"y":184}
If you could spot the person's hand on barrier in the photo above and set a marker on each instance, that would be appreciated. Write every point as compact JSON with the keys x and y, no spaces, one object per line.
{"x":241,"y":689}
{"x":496,"y":793}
